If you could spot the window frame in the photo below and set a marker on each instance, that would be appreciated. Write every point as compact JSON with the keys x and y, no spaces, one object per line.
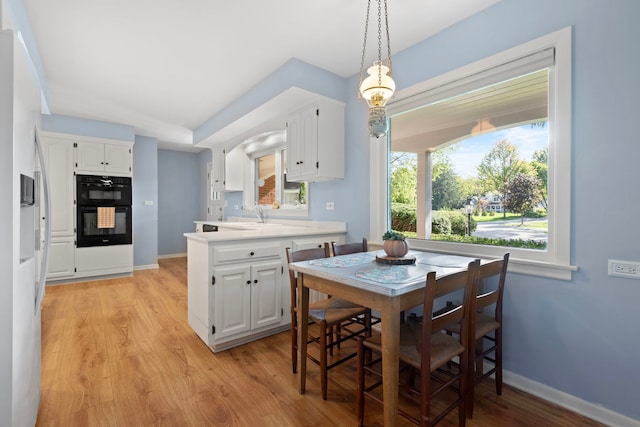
{"x":249,"y":196}
{"x":555,"y":261}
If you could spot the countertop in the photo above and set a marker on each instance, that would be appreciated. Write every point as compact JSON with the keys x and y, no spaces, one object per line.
{"x":250,"y":230}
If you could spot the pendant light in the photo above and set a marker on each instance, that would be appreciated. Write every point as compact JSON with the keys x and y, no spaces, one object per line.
{"x":378,"y":87}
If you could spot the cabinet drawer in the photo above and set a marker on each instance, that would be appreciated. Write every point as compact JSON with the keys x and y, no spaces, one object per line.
{"x":245,"y":253}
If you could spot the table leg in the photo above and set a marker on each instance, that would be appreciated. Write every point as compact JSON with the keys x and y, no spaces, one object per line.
{"x":390,"y":316}
{"x":303,"y":325}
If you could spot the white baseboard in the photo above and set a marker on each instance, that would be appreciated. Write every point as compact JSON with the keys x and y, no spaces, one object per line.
{"x":146,"y":267}
{"x":172,"y":256}
{"x":560,"y":398}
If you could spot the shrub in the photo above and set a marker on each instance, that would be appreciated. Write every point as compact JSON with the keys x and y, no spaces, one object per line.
{"x":440,"y":224}
{"x":403,"y":217}
{"x":513,"y":243}
{"x":457,"y":222}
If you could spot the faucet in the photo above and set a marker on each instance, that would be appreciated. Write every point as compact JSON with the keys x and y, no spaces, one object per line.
{"x":257,"y":211}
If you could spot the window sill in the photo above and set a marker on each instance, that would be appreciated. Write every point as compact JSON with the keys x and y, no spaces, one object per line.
{"x":519,"y":260}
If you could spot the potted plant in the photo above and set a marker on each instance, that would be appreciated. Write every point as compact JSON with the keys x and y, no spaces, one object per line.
{"x":394,"y":244}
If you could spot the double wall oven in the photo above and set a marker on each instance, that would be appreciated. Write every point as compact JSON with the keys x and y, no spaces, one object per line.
{"x":104,"y":210}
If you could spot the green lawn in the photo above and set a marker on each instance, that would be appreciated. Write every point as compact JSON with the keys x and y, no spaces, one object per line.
{"x":532,"y":224}
{"x":496,"y":217}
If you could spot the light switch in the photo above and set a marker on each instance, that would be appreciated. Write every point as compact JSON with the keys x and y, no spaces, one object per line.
{"x":148,"y":202}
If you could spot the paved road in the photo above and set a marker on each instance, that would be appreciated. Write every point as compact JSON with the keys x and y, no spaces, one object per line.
{"x":510,"y":229}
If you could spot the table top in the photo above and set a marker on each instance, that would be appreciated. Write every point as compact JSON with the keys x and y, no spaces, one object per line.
{"x":361,"y":270}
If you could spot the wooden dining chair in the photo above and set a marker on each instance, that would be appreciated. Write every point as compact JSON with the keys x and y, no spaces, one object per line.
{"x":338,"y":320}
{"x":349,"y":248}
{"x":486,"y":326}
{"x":427,"y":348}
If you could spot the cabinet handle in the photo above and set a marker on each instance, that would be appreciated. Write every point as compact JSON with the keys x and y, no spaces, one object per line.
{"x":301,"y":162}
{"x":248,"y":282}
{"x":251,"y":253}
{"x":102,"y":163}
{"x":255,"y":281}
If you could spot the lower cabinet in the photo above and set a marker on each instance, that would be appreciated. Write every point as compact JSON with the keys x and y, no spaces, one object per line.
{"x":247,"y":297}
{"x":61,"y":258}
{"x":235,"y":291}
{"x":239,"y":292}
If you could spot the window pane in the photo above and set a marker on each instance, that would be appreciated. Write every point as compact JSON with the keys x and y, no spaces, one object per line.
{"x":473,"y":168}
{"x":266,"y":179}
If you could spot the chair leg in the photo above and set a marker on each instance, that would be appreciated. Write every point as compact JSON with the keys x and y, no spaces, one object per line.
{"x":498,"y":355}
{"x":323,"y":356}
{"x":360,"y":383}
{"x":465,"y":383}
{"x":294,"y":342}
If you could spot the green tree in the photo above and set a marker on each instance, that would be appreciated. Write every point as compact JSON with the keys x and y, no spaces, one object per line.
{"x":522,"y":194}
{"x":499,"y":166}
{"x":446,"y":190}
{"x":404,"y":178}
{"x":540,"y":165}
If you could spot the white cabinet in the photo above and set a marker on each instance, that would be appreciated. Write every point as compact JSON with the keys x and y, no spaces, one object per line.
{"x":247,"y":297}
{"x":315,"y":142}
{"x":66,"y":155}
{"x":227,"y":170}
{"x":61,"y":258}
{"x":99,"y":157}
{"x":235,"y":291}
{"x":59,"y":164}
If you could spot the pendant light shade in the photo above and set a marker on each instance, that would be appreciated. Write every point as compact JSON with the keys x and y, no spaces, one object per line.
{"x":378,"y":87}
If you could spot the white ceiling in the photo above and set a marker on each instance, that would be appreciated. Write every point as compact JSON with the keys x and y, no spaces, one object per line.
{"x":166,"y":66}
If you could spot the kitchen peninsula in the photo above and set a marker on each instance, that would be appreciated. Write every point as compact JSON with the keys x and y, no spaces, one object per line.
{"x":238,"y":282}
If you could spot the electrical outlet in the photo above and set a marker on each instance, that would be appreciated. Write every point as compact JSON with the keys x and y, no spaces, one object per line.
{"x":629,"y":269}
{"x":330,"y":206}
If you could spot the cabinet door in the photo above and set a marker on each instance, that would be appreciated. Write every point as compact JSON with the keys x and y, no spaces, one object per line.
{"x":302,"y":143}
{"x":266,"y":293}
{"x":59,"y":163}
{"x":217,"y":171}
{"x":294,"y":149}
{"x":61,"y":258}
{"x":89,"y":156}
{"x":309,"y":141}
{"x":232,"y":300}
{"x":117,"y":158}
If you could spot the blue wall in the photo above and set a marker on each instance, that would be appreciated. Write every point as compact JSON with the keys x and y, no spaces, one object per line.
{"x":178,"y":204}
{"x":145,"y":188}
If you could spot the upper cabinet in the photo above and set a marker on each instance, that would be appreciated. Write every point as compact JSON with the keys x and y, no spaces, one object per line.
{"x":107,"y":158}
{"x":315,"y":142}
{"x":227,"y":170}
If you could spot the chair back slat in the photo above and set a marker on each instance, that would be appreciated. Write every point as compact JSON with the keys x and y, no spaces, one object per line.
{"x":349,"y":248}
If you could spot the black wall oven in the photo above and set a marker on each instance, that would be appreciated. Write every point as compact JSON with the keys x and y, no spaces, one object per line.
{"x":104,"y":212}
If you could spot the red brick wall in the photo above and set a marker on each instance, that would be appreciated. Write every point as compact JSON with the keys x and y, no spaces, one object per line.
{"x":267,"y":193}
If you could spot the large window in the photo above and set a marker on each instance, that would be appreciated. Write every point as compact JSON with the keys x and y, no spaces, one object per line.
{"x":478,"y":159}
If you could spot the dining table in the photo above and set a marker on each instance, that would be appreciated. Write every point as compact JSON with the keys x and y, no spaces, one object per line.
{"x":370,"y":280}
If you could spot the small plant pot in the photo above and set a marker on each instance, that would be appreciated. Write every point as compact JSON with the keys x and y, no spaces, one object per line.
{"x":395,"y":248}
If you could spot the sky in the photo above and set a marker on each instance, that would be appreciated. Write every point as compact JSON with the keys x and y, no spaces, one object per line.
{"x":468,"y":154}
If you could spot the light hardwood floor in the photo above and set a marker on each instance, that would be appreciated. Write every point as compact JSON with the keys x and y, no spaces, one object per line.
{"x":121,"y":353}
